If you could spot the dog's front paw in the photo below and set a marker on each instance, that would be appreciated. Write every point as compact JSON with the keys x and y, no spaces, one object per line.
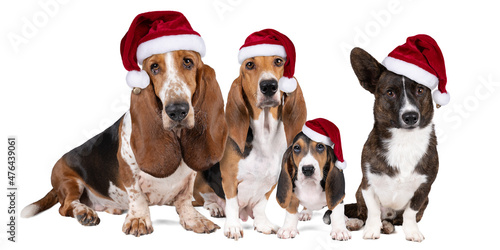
{"x":215,"y":210}
{"x":265,"y":227}
{"x":85,"y":215}
{"x":233,"y":230}
{"x":305,"y":215}
{"x":341,"y":234}
{"x":412,"y":233}
{"x":287,"y":232}
{"x":372,"y":231}
{"x":198,"y":224}
{"x":137,"y":226}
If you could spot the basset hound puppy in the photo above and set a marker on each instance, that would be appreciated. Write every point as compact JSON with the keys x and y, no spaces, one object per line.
{"x":310,"y":178}
{"x":175,"y":127}
{"x":262,"y":121}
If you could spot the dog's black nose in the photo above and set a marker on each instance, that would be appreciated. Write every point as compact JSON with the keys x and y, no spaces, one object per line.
{"x":177,"y":111}
{"x":308,"y":170}
{"x":410,"y":118}
{"x":268,"y":87}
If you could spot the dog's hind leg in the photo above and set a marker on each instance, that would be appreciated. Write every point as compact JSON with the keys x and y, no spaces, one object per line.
{"x":69,"y":190}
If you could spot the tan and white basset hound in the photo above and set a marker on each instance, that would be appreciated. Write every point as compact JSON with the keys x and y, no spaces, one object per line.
{"x":262,"y":122}
{"x":175,"y":127}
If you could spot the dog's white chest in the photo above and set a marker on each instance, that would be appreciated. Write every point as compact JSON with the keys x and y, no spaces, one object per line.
{"x":310,"y":195}
{"x":259,"y":171}
{"x":395,"y":192}
{"x":405,"y":149}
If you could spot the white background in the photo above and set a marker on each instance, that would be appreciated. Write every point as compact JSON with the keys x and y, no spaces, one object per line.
{"x":64,"y":82}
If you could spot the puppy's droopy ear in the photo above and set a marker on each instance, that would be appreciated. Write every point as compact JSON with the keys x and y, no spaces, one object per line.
{"x":285,"y":186}
{"x":367,"y":69}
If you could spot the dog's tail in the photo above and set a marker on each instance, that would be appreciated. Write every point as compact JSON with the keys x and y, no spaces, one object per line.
{"x":43,"y":204}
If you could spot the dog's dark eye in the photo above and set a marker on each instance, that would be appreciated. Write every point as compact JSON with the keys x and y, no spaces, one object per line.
{"x":278,"y":62}
{"x":320,"y":148}
{"x":188,"y":63}
{"x":250,"y":65}
{"x":420,"y":91}
{"x":296,"y":149}
{"x":390,"y":93}
{"x":155,"y":68}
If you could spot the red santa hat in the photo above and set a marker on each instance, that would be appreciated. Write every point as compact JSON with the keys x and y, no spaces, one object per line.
{"x":153,"y":33}
{"x":421,"y":60}
{"x":324,"y":131}
{"x":269,"y":42}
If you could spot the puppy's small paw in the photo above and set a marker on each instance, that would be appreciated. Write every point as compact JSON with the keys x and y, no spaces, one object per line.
{"x":305,"y":215}
{"x":287,"y":233}
{"x":341,"y":234}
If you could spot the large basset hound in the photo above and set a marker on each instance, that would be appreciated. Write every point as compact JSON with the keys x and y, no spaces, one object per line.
{"x":175,"y":127}
{"x":262,"y":122}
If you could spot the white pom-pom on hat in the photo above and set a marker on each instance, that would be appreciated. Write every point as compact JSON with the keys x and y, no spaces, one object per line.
{"x":137,"y":79}
{"x":287,"y":85}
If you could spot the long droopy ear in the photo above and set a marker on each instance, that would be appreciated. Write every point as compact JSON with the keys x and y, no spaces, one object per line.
{"x":367,"y":69}
{"x":335,"y":183}
{"x":294,"y":114}
{"x":285,"y":182}
{"x":237,"y":115}
{"x":203,"y":145}
{"x":157,"y":150}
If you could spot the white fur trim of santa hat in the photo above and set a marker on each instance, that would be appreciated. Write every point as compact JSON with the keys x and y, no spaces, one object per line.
{"x":317,"y":137}
{"x":261,"y":50}
{"x":411,"y":71}
{"x":139,"y":79}
{"x":164,"y":44}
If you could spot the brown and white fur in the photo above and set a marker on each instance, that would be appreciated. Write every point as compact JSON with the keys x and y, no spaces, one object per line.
{"x":399,"y":159}
{"x":262,"y":122}
{"x":309,"y":178}
{"x":175,"y":127}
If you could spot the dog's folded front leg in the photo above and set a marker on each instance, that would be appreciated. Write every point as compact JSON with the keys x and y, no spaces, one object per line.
{"x":138,"y":220}
{"x":191,"y":219}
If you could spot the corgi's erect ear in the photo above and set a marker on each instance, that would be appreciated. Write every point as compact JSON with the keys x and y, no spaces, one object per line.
{"x":367,"y":69}
{"x":285,"y":182}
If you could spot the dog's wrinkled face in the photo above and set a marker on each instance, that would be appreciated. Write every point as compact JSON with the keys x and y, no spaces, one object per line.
{"x":310,"y":157}
{"x":402,"y":103}
{"x":260,"y":75}
{"x":173,"y":76}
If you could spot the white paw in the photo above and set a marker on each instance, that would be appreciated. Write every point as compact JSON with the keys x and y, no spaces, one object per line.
{"x":372,"y":231}
{"x":413,"y":234}
{"x":305,"y":215}
{"x":215,"y":210}
{"x":233,"y":230}
{"x":265,"y":227}
{"x":340,"y":234}
{"x":287,"y":233}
